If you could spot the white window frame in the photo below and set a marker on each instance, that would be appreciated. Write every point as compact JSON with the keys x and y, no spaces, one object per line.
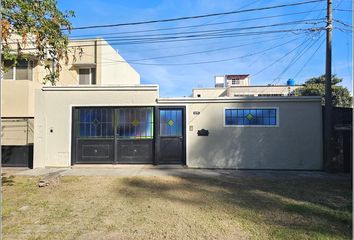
{"x":14,"y":72}
{"x":235,"y":82}
{"x":254,"y":108}
{"x":78,"y":77}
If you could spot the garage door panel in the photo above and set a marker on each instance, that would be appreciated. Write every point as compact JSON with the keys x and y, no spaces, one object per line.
{"x":135,"y":151}
{"x":93,"y":151}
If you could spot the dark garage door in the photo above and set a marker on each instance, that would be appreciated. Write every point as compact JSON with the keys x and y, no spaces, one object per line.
{"x":113,"y":135}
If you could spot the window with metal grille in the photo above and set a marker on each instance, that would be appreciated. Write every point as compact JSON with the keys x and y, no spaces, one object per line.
{"x":235,"y":82}
{"x":96,"y":122}
{"x":135,"y":123}
{"x":251,"y":117}
{"x":171,"y":122}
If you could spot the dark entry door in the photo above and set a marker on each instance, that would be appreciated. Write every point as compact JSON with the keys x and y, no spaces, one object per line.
{"x":171,"y":136}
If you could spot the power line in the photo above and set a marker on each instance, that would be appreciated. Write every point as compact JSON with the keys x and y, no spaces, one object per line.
{"x":206,"y":51}
{"x":194,"y":17}
{"x":195,"y":37}
{"x":309,"y":59}
{"x":193,"y":26}
{"x":209,"y":32}
{"x":279,"y":59}
{"x":291,"y":63}
{"x":212,"y":61}
{"x":294,"y":60}
{"x":343,"y":23}
{"x":343,"y":10}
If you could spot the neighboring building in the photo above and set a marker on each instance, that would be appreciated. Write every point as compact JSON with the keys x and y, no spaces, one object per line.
{"x":95,"y":62}
{"x":240,"y":85}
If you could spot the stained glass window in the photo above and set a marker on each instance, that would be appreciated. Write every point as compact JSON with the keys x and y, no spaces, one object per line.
{"x":96,"y":122}
{"x":135,"y":123}
{"x":171,"y":122}
{"x":250,"y":117}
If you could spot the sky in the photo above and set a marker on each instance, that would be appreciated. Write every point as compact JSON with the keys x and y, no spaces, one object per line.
{"x":176,"y":66}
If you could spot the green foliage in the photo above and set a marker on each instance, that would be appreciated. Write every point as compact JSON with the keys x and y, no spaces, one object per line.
{"x":39,"y":25}
{"x":316,"y":87}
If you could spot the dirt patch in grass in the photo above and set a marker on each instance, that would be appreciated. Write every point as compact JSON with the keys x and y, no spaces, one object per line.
{"x":177,"y":208}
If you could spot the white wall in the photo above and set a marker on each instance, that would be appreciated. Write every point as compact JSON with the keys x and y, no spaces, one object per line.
{"x":53,"y":112}
{"x":114,"y":68}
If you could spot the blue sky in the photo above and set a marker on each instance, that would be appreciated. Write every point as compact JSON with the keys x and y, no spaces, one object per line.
{"x":289,"y":54}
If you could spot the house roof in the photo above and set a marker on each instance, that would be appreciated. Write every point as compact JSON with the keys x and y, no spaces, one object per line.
{"x":237,"y":77}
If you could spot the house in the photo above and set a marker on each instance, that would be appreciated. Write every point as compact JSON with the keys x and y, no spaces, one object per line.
{"x":125,"y":124}
{"x":99,"y":114}
{"x":91,"y":62}
{"x":240,"y":85}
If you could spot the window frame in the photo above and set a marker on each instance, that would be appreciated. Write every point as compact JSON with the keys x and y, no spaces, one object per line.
{"x":30,"y":64}
{"x":235,"y":82}
{"x":90,"y":69}
{"x":252,"y":108}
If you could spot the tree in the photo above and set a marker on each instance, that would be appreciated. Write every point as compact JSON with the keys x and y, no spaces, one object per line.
{"x":37,"y":25}
{"x":316,"y":87}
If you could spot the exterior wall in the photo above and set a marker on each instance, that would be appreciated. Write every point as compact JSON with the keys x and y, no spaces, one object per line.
{"x":17,"y":98}
{"x":18,"y":95}
{"x":209,"y":92}
{"x":295,"y":144}
{"x":82,"y":53}
{"x":114,"y":69}
{"x":257,"y":90}
{"x":53,"y":149}
{"x":16,"y":132}
{"x":237,"y":91}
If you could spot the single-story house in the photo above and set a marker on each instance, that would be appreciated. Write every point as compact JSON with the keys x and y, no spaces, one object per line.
{"x":126,"y":124}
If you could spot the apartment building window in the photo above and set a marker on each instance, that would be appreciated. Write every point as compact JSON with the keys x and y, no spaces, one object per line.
{"x":270,"y":95}
{"x":87,"y":76}
{"x":235,"y":82}
{"x":23,"y":70}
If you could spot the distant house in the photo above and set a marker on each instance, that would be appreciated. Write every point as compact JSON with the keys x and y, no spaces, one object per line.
{"x":240,"y":85}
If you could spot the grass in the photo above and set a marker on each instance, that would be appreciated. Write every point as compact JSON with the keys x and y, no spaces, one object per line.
{"x":178,"y":208}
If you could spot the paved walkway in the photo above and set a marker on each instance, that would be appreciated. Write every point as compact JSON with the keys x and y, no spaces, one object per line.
{"x":169,"y":170}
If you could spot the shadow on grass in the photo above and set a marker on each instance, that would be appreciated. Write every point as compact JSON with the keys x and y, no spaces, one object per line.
{"x":311,"y":207}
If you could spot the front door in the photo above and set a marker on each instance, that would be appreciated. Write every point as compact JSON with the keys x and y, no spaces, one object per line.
{"x":171,"y":146}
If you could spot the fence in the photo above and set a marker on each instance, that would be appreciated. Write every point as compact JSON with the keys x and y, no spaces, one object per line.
{"x":342,"y":140}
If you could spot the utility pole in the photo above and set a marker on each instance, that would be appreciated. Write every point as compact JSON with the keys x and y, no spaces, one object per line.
{"x":328,"y":90}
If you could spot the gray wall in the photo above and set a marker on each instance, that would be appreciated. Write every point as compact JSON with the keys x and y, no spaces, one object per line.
{"x":295,"y":144}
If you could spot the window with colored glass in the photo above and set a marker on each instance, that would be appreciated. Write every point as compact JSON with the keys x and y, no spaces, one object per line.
{"x":96,"y":122}
{"x":135,"y":123}
{"x":171,"y":122}
{"x":249,"y":117}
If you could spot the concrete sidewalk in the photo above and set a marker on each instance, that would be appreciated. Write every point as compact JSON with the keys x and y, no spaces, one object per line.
{"x":168,"y":170}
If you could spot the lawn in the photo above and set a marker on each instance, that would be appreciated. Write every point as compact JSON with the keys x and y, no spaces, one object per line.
{"x":178,"y":208}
